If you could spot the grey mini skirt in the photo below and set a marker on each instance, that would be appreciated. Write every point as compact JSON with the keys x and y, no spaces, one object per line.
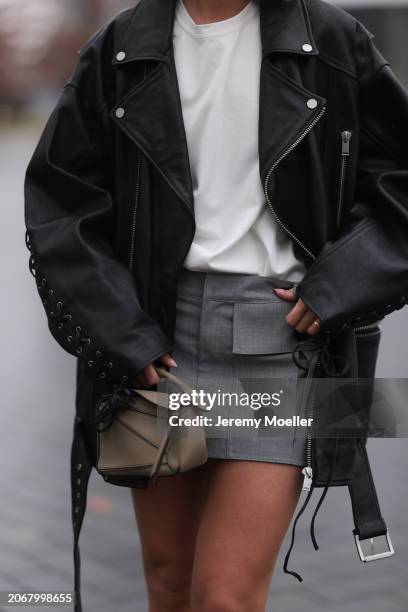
{"x":232,"y":342}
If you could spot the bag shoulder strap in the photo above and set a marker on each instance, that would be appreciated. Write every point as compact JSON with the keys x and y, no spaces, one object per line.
{"x":181,"y":385}
{"x":161,"y":399}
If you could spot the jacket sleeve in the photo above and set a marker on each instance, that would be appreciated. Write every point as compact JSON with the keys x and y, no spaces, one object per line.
{"x":363,"y":275}
{"x":90,"y":297}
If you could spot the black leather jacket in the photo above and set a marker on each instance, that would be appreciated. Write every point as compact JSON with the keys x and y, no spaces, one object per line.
{"x":109,"y":201}
{"x":110,"y":209}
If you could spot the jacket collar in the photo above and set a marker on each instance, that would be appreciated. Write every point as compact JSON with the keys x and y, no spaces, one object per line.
{"x":285,"y":28}
{"x":150,"y":113}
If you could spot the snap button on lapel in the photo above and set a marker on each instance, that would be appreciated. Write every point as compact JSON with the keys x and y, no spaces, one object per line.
{"x":120,"y":56}
{"x":120,"y":113}
{"x":312,"y":103}
{"x":307,"y":47}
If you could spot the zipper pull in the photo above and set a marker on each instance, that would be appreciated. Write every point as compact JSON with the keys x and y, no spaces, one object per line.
{"x":345,"y":142}
{"x":308,"y":477}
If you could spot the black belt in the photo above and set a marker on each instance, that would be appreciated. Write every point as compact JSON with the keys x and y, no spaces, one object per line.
{"x":368,"y":521}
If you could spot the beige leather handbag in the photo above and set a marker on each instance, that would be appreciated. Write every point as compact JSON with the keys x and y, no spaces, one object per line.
{"x":141,"y":442}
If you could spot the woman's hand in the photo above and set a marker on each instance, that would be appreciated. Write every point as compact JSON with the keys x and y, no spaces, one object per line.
{"x":149,"y":376}
{"x":300,"y":317}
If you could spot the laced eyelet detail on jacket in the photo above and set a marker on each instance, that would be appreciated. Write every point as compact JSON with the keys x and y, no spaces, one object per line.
{"x":59,"y":316}
{"x":370,"y":318}
{"x":78,"y":344}
{"x":32,"y":266}
{"x":376,"y":315}
{"x":104,"y":369}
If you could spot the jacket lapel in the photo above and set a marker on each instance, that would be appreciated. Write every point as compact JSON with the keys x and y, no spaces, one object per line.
{"x":151,"y":115}
{"x":152,"y":118}
{"x":286,"y":107}
{"x":286,"y":110}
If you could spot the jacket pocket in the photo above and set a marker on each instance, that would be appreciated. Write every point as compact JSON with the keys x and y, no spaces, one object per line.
{"x":344,"y":160}
{"x":260,"y":328}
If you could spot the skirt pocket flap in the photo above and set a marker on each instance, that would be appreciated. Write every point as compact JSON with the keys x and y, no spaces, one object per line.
{"x":260,"y":328}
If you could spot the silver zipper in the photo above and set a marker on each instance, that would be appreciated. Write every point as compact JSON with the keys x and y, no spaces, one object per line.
{"x":307,"y":471}
{"x":345,"y":154}
{"x":366,"y":328}
{"x":268,"y":176}
{"x":134,"y":215}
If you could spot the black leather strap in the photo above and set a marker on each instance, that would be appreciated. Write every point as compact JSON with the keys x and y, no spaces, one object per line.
{"x":366,"y":510}
{"x":81,"y":469}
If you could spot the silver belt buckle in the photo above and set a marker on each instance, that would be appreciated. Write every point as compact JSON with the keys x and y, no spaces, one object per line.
{"x":372,"y":556}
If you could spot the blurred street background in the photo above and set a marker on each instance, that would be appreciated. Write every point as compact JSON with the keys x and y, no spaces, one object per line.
{"x":39,"y":41}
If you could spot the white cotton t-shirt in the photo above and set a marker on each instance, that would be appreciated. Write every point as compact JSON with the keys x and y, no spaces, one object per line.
{"x":218,"y":70}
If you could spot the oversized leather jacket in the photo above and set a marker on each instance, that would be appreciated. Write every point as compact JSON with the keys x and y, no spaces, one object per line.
{"x":110,"y":209}
{"x":109,"y":201}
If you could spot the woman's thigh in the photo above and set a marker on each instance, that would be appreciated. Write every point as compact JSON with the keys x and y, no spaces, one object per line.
{"x":247,"y":511}
{"x":167,"y":515}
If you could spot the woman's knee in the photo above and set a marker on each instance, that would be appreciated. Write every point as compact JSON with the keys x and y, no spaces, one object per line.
{"x":208,"y":596}
{"x":169,"y":585}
